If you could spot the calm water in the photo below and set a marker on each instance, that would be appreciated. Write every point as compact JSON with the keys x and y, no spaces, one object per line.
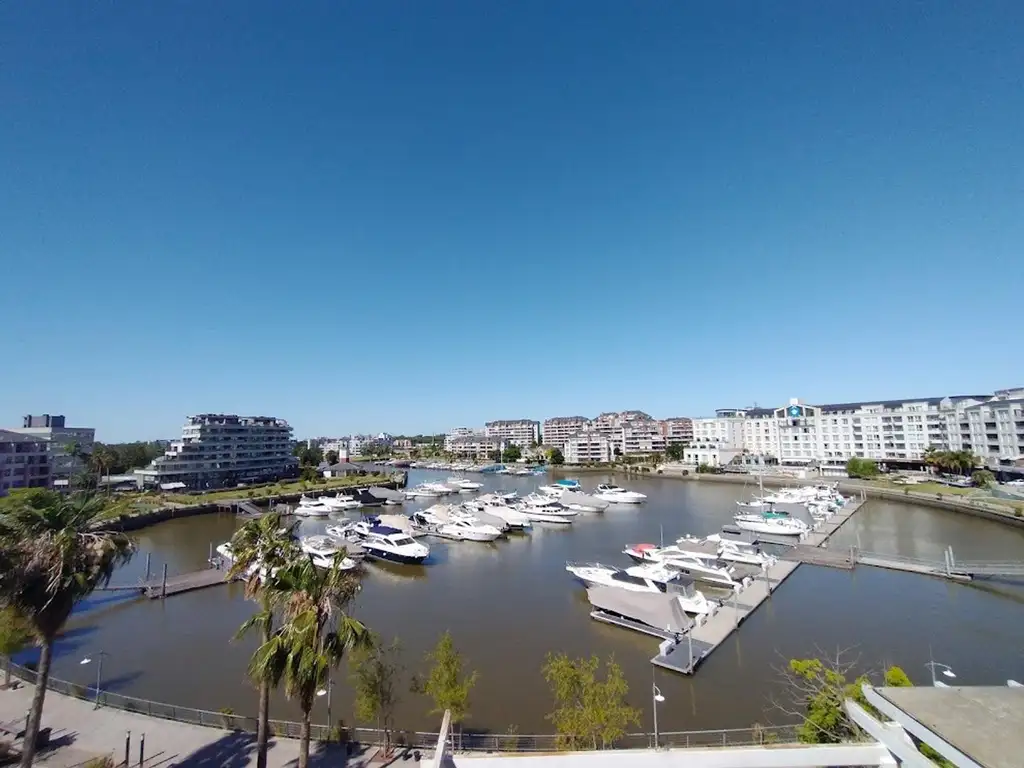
{"x":510,"y":603}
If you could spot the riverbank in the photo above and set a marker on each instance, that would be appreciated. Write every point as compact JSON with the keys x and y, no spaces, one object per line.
{"x":951,"y":499}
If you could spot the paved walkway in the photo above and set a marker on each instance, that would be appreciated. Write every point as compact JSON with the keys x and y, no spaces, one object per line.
{"x":82,"y":732}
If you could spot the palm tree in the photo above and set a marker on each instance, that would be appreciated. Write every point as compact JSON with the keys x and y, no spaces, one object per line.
{"x":259,"y":549}
{"x":315,"y":637}
{"x":51,"y":557}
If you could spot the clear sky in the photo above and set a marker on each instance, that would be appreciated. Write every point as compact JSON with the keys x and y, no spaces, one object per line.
{"x":407,"y":216}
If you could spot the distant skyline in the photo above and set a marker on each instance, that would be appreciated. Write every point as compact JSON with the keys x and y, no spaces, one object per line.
{"x":409,"y":217}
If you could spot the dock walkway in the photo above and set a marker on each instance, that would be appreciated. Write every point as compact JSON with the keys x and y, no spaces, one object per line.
{"x":685,"y":655}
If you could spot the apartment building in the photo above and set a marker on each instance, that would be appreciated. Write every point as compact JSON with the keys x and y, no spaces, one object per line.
{"x":521,"y":432}
{"x":993,"y":430}
{"x":24,"y":461}
{"x":639,"y":438}
{"x":473,"y":446}
{"x":587,"y":447}
{"x":218,"y":450}
{"x":676,"y":430}
{"x":458,"y":433}
{"x":557,"y":430}
{"x":60,"y":440}
{"x":610,"y":423}
{"x":893,"y":431}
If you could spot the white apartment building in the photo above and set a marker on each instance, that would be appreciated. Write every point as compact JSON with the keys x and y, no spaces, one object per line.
{"x":218,"y":450}
{"x":678,"y":429}
{"x":611,"y":423}
{"x":59,"y":439}
{"x":893,"y":431}
{"x":557,"y":430}
{"x":459,"y":433}
{"x":586,"y":447}
{"x":24,"y":461}
{"x":521,"y":432}
{"x":473,"y":446}
{"x":638,"y":438}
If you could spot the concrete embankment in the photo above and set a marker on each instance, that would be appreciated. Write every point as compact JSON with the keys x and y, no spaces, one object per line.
{"x":951,"y":502}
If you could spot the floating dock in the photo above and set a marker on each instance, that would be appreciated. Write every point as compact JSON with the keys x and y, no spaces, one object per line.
{"x":686,"y":653}
{"x":186,"y":582}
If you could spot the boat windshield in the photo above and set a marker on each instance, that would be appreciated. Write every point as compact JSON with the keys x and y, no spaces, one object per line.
{"x":401,"y":540}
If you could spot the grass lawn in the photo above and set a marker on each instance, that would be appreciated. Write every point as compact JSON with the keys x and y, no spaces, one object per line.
{"x":945,"y":490}
{"x":279,"y":489}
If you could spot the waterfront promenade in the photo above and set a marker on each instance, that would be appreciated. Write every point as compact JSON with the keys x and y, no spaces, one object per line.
{"x":81,"y":733}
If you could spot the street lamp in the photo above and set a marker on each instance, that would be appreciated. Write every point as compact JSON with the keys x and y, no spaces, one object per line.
{"x":656,"y":698}
{"x":946,"y":671}
{"x":99,"y":672}
{"x":326,"y":691}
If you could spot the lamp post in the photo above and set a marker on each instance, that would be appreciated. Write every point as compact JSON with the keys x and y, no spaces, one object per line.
{"x":656,"y":697}
{"x":326,"y":691}
{"x":946,"y":670}
{"x":99,"y":673}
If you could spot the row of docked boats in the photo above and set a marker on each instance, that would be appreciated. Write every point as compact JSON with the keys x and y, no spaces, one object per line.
{"x":762,"y":514}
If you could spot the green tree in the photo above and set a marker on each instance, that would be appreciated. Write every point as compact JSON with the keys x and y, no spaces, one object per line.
{"x":309,"y":474}
{"x":259,"y":548}
{"x":675,"y":451}
{"x":862,"y":468}
{"x":51,"y":558}
{"x":983,"y":478}
{"x":331,"y":457}
{"x":314,"y":638}
{"x":512,"y":453}
{"x":495,"y":455}
{"x":589,"y":712}
{"x":15,"y":634}
{"x":375,"y":672}
{"x":818,"y":690}
{"x":555,"y":456}
{"x":447,"y":684}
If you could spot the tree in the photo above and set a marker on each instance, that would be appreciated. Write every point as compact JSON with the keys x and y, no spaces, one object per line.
{"x":862,"y":468}
{"x":512,"y":453}
{"x":51,"y":558}
{"x":555,"y":456}
{"x":817,"y":689}
{"x":315,"y":636}
{"x":495,"y":455}
{"x":983,"y":478}
{"x":331,"y":457}
{"x":374,"y":674}
{"x":258,"y":549}
{"x":675,"y":451}
{"x":15,"y":634}
{"x":309,"y":474}
{"x":447,"y":684}
{"x":617,"y":451}
{"x":589,"y":712}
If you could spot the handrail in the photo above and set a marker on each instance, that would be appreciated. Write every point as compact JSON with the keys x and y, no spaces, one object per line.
{"x":467,"y":741}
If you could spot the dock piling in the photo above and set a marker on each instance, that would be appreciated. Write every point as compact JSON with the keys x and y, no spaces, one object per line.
{"x":142,"y":750}
{"x":163,"y":585}
{"x":149,"y":560}
{"x":127,"y":747}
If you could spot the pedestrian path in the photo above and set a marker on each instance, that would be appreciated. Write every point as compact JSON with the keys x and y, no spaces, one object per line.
{"x":82,"y":732}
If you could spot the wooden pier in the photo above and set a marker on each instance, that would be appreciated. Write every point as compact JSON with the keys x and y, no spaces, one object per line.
{"x":685,"y":654}
{"x":186,"y":582}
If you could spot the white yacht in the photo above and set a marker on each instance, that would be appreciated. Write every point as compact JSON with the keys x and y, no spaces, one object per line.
{"x":322,"y":550}
{"x":774,"y":522}
{"x":644,"y":578}
{"x":541,"y":500}
{"x":423,"y":492}
{"x":675,"y":559}
{"x":548,"y":514}
{"x":618,"y":495}
{"x":499,"y":508}
{"x":440,"y":488}
{"x":464,"y":486}
{"x":341,"y":501}
{"x":310,"y":508}
{"x":386,"y":543}
{"x":440,"y":521}
{"x":738,"y":552}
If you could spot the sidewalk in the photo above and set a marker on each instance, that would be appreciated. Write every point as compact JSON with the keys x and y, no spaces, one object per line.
{"x":81,"y":732}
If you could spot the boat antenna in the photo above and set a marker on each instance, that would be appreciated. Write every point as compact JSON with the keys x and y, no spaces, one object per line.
{"x":662,"y":529}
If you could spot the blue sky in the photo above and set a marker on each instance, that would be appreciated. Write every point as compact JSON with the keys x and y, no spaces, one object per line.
{"x":408,"y":216}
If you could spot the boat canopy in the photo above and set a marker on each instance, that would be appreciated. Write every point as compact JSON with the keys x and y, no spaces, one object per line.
{"x":571,"y":497}
{"x":386,"y":493}
{"x":385,"y":530}
{"x":656,"y":609}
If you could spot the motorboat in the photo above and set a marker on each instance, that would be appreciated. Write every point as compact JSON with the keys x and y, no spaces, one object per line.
{"x":507,"y":495}
{"x":569,"y":484}
{"x":674,"y":558}
{"x":440,"y":523}
{"x":773,"y":522}
{"x":340,"y":501}
{"x":551,"y":490}
{"x":464,"y":485}
{"x":754,"y":504}
{"x":739,"y":552}
{"x":644,"y":578}
{"x":541,"y":500}
{"x":224,"y":550}
{"x":322,"y":550}
{"x":310,"y":508}
{"x":581,"y":502}
{"x":512,"y":515}
{"x":548,"y":514}
{"x":386,"y":543}
{"x":618,"y":495}
{"x":423,"y":492}
{"x":440,"y":488}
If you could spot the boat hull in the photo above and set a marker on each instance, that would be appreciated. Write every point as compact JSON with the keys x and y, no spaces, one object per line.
{"x":373,"y":553}
{"x":758,"y":526}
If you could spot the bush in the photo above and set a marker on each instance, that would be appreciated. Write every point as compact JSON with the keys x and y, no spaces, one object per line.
{"x":861,"y":468}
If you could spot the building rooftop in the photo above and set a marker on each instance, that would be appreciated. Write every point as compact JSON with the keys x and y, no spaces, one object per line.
{"x":17,"y":437}
{"x":985,"y":723}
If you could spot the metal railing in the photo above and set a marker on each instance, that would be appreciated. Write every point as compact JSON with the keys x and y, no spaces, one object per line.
{"x":461,"y":741}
